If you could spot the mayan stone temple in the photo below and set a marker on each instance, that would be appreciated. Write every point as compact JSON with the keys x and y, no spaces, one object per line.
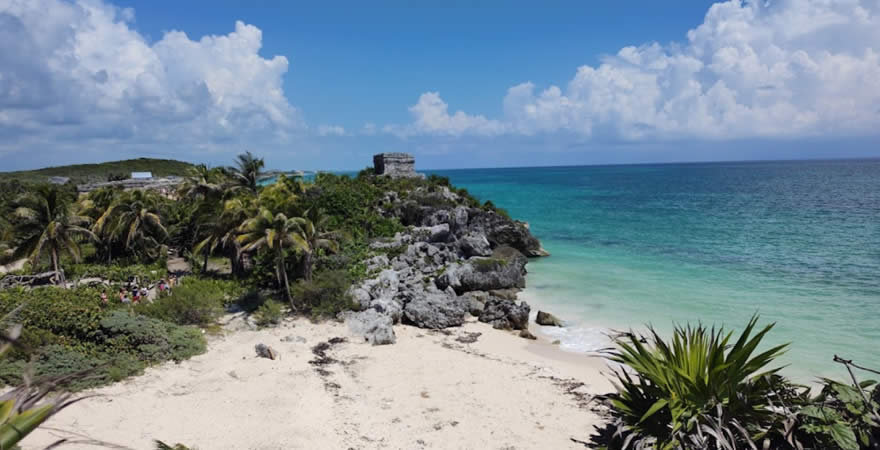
{"x":395,"y":165}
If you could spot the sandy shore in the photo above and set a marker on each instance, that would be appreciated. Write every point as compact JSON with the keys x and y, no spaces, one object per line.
{"x":430,"y":390}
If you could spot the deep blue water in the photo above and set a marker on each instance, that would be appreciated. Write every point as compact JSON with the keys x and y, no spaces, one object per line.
{"x":797,"y":242}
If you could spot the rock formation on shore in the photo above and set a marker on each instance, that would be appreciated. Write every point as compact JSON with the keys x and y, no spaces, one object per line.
{"x":395,"y":165}
{"x":453,"y":260}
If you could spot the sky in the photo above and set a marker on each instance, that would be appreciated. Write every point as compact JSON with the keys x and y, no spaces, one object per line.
{"x":324,"y":85}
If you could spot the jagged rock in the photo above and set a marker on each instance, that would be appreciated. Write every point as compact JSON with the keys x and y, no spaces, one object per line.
{"x":459,"y":218}
{"x":399,"y":240}
{"x":476,"y":302}
{"x":385,"y":285}
{"x":548,"y":320}
{"x":360,"y":296}
{"x":447,"y":194}
{"x":435,"y":233}
{"x":388,"y":307}
{"x":375,"y":326}
{"x":435,"y":309}
{"x":506,"y":314}
{"x":264,"y":351}
{"x":482,"y":274}
{"x":509,"y":294}
{"x":438,"y":217}
{"x":500,"y":230}
{"x":526,"y":334}
{"x":510,"y":254}
{"x":377,"y":262}
{"x":473,"y":244}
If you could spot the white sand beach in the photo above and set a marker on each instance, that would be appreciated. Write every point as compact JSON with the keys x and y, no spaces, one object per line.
{"x":429,"y":390}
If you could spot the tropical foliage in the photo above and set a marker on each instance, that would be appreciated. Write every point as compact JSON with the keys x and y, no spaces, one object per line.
{"x":48,"y":226}
{"x":247,"y":171}
{"x":134,"y":221}
{"x":704,"y":390}
{"x":27,"y":406}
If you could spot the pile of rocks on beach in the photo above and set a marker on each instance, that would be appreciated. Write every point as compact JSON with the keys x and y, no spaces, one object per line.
{"x":453,"y":261}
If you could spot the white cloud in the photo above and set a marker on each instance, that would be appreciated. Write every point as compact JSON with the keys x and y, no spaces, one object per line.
{"x":432,"y":116}
{"x":331,"y":130}
{"x":789,"y":68}
{"x":78,"y":72}
{"x":369,"y":129}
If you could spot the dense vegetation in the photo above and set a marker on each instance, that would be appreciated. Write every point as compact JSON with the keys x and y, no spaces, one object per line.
{"x":290,"y":247}
{"x":83,"y":173}
{"x":703,"y":390}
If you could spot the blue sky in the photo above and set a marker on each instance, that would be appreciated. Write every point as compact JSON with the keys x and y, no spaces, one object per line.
{"x":466,"y":84}
{"x":352,"y":62}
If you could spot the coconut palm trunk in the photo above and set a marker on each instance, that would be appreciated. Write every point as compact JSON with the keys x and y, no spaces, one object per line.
{"x":283,"y":272}
{"x":59,"y":277}
{"x":307,"y":266}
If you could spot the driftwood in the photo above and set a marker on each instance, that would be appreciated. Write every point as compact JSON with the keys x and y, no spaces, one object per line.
{"x":39,"y":279}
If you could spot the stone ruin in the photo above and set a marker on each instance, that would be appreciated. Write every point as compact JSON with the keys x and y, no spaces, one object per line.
{"x":395,"y":165}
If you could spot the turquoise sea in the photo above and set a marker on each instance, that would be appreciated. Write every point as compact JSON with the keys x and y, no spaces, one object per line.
{"x":797,"y":242}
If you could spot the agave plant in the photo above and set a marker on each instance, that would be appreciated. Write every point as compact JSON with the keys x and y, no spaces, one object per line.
{"x":697,"y":391}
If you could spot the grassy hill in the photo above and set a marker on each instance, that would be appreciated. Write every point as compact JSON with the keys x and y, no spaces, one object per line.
{"x":82,"y":173}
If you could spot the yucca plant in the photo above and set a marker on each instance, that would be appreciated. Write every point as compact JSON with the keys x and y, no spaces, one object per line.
{"x":698,"y":391}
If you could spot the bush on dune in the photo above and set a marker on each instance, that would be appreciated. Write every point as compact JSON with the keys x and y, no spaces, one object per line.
{"x":326,"y":295}
{"x":269,"y":313}
{"x":73,"y":313}
{"x":152,"y":340}
{"x":197,"y":301}
{"x":67,"y":331}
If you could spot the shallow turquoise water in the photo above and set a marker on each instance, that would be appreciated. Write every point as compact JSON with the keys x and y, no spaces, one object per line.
{"x":796,"y":242}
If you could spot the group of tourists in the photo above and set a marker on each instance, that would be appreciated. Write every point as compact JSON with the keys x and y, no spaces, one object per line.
{"x":132,"y":293}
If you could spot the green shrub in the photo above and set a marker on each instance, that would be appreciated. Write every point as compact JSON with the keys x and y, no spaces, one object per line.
{"x":489,"y":206}
{"x":269,"y":314}
{"x":58,"y":361}
{"x":151,"y":340}
{"x":669,"y":395}
{"x":842,"y":416}
{"x":72,"y":313}
{"x":251,"y":300}
{"x":326,"y":295}
{"x":350,"y":258}
{"x":196,"y":301}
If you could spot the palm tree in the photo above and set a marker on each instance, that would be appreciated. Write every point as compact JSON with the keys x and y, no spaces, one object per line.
{"x":274,"y":232}
{"x":94,"y":206}
{"x":135,"y":221}
{"x":247,"y":171}
{"x":311,"y":237}
{"x":49,"y":225}
{"x":222,"y":233}
{"x":204,"y":182}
